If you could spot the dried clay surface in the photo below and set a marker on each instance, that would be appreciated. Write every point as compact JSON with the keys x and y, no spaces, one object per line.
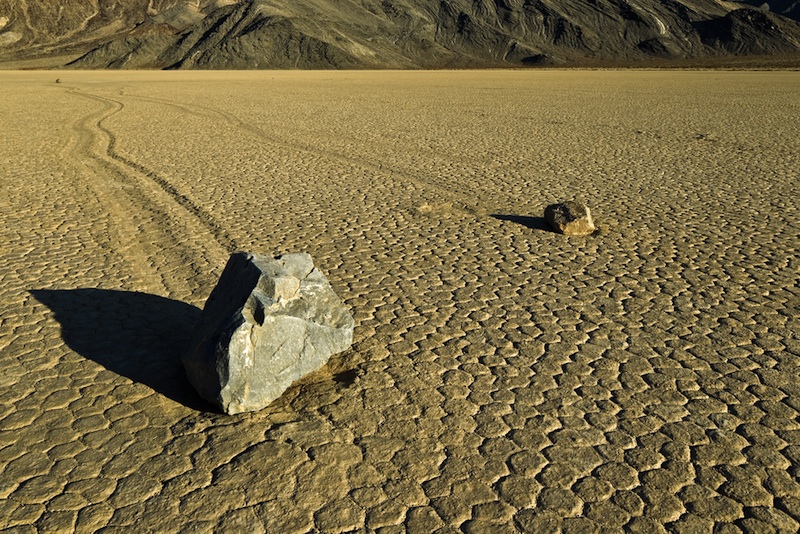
{"x":502,"y":378}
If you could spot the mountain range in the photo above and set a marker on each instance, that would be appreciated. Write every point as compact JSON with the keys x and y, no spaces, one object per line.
{"x":250,"y":34}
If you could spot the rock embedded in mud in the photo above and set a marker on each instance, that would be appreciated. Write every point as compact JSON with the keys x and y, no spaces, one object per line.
{"x":267,"y":323}
{"x":570,"y":218}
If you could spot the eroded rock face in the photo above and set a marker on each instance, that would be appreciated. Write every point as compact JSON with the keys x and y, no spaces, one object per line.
{"x":267,"y":323}
{"x":570,"y":218}
{"x":234,"y":34}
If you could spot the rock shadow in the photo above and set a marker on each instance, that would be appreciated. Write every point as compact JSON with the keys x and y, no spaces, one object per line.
{"x":534,"y":223}
{"x":136,"y":335}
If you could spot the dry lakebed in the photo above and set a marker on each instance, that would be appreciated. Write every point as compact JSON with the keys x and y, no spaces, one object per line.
{"x":502,"y":377}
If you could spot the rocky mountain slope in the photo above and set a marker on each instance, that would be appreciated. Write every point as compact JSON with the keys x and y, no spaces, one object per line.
{"x":787,"y":8}
{"x":223,"y":34}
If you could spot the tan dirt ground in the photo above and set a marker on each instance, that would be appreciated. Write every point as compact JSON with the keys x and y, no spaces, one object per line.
{"x":502,"y":378}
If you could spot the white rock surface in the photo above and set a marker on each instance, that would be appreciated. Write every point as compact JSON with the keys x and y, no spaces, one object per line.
{"x":267,"y":323}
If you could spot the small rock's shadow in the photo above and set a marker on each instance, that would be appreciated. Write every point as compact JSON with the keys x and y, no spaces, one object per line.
{"x":534,"y":223}
{"x":136,"y":335}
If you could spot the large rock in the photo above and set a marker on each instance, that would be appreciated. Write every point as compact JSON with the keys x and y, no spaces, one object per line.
{"x":570,"y":218}
{"x":267,"y":323}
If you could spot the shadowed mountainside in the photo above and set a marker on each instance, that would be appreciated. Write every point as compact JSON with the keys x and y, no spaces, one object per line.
{"x":787,"y":8}
{"x":224,"y":34}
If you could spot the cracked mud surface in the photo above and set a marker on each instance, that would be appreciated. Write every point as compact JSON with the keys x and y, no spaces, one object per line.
{"x":502,"y":377}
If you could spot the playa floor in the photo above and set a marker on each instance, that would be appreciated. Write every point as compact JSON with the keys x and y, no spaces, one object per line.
{"x":502,"y":378}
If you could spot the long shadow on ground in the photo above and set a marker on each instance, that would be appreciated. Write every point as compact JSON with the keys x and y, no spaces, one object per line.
{"x":534,"y":223}
{"x":136,"y":335}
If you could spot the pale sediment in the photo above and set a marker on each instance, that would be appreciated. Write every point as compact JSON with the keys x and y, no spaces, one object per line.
{"x":501,"y":378}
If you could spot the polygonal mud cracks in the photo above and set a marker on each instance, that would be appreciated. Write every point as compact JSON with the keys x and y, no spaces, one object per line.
{"x":643,"y":380}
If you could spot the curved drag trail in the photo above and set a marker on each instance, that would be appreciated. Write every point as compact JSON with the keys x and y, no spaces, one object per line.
{"x":460,"y":199}
{"x":83,"y":148}
{"x":204,"y":218}
{"x":147,"y":208}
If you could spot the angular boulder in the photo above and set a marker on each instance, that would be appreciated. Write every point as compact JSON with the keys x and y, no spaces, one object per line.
{"x":570,"y":218}
{"x":267,"y":323}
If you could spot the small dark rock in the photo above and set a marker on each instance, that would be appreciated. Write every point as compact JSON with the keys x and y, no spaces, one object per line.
{"x":570,"y":218}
